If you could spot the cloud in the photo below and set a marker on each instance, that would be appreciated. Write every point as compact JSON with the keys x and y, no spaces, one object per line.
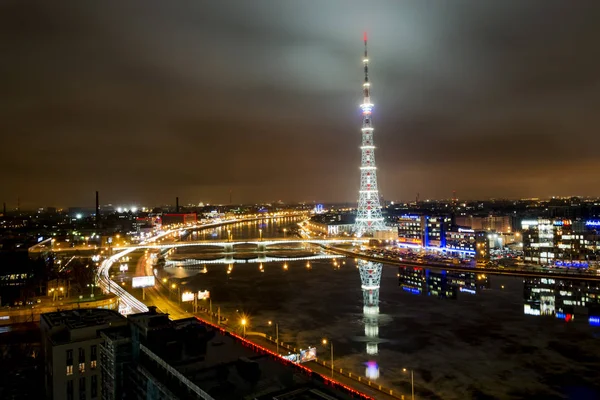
{"x":265,"y":96}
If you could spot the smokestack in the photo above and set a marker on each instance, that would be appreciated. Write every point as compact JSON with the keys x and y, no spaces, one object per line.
{"x":97,"y":209}
{"x":176,"y":204}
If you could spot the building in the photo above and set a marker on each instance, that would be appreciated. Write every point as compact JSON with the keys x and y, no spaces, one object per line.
{"x":496,"y":223}
{"x":561,"y":242}
{"x":461,"y":240}
{"x":436,"y":227}
{"x":179,"y":219}
{"x":331,"y":224}
{"x":424,"y":230}
{"x":410,"y":229}
{"x":482,"y":247}
{"x":71,"y":341}
{"x":99,"y":354}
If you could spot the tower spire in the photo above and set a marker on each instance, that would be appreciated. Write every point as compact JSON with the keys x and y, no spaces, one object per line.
{"x":368,"y":216}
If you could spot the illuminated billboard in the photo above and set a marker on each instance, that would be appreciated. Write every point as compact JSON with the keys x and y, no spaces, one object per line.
{"x":187,"y":296}
{"x":309,"y":354}
{"x":142,"y":281}
{"x":203,"y":295}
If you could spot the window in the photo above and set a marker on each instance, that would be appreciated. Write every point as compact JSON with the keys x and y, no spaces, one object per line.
{"x":93,"y":357}
{"x":94,"y":387}
{"x":81,"y":360}
{"x":70,"y":390}
{"x":82,"y":388}
{"x":69,"y":362}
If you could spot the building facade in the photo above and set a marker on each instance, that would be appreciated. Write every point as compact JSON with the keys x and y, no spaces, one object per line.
{"x":561,"y":242}
{"x":71,"y":344}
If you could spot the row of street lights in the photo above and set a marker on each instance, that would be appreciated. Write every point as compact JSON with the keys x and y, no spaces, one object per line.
{"x":244,"y":321}
{"x":230,"y":235}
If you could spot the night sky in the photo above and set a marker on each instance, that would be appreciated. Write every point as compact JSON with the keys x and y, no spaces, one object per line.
{"x":157,"y":100}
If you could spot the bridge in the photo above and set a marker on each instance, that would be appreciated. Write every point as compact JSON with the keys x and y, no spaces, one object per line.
{"x":228,"y":246}
{"x":191,"y":262}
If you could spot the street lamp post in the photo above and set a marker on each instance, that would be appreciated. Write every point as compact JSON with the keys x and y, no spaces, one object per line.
{"x":331,"y":346}
{"x":244,"y":325}
{"x":412,"y":382}
{"x":276,"y":334}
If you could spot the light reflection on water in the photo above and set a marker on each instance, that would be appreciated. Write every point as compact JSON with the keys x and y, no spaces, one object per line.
{"x":465,"y":335}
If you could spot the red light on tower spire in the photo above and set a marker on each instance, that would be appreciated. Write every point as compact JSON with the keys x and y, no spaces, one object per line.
{"x":365,"y":36}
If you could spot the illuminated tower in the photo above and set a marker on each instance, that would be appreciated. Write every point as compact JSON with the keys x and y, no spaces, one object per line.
{"x":368,"y":215}
{"x":370,"y":277}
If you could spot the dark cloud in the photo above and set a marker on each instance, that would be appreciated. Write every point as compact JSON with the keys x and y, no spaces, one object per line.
{"x":147,"y":102}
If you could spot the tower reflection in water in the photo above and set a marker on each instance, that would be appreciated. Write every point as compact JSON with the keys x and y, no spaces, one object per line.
{"x":370,"y":277}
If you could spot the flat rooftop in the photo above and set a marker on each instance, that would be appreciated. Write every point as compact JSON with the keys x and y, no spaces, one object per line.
{"x":82,"y":318}
{"x":81,"y":324}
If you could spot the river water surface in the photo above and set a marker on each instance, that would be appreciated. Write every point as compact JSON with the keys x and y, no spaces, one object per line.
{"x":465,"y":336}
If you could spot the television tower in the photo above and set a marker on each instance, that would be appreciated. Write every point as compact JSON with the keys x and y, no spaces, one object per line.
{"x":368,"y":216}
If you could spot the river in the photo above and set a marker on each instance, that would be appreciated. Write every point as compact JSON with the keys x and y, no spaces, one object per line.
{"x":464,"y":335}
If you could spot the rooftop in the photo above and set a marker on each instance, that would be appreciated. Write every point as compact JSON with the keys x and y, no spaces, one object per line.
{"x":233,"y":369}
{"x":82,"y":324}
{"x":81,"y":318}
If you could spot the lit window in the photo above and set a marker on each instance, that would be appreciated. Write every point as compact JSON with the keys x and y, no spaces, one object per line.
{"x":81,"y":368}
{"x":69,"y":370}
{"x":93,"y":364}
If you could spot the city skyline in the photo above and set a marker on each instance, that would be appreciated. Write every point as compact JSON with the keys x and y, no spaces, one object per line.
{"x":196,"y":101}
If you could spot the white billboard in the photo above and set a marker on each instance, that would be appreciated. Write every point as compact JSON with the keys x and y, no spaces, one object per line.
{"x":187,"y":296}
{"x":142,"y":281}
{"x":203,"y":295}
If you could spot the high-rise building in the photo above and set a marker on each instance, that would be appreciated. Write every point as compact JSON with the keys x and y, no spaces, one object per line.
{"x":369,"y":218}
{"x":71,"y":341}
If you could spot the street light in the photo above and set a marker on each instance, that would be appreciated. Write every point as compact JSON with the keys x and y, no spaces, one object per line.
{"x":276,"y":334}
{"x":412,"y":381}
{"x":244,"y":321}
{"x":331,"y":345}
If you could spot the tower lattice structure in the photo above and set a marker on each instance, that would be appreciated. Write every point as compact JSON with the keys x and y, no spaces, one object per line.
{"x":368,"y":216}
{"x":370,"y":278}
